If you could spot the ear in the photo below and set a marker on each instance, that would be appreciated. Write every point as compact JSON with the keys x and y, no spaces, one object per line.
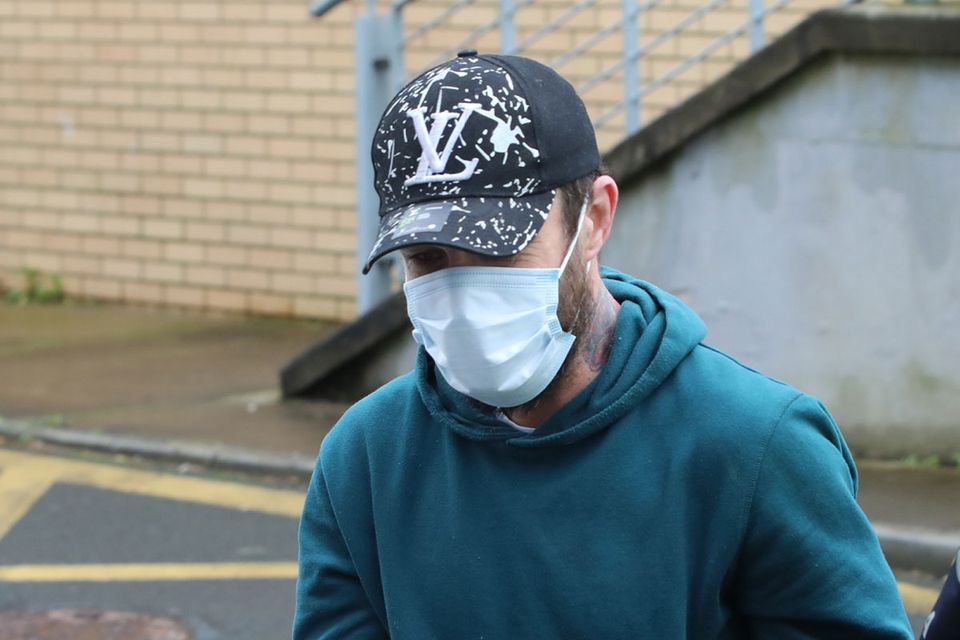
{"x":603,"y":206}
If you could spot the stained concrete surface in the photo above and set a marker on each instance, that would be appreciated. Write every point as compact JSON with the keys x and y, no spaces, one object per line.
{"x":159,"y":372}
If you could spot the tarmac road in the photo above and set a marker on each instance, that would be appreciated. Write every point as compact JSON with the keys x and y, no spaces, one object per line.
{"x":214,"y":552}
{"x":216,"y":555}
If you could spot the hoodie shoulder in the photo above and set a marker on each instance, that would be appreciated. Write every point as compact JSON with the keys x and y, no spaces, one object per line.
{"x":373,"y":419}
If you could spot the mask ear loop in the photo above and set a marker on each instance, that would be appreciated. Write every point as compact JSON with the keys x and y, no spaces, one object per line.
{"x":576,"y":236}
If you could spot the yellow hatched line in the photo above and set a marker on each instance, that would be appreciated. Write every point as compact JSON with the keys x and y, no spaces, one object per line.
{"x":917,"y":599}
{"x":20,"y":488}
{"x":152,"y":572}
{"x":283,"y":502}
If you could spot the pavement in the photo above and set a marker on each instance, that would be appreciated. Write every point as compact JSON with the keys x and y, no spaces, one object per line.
{"x":204,"y":389}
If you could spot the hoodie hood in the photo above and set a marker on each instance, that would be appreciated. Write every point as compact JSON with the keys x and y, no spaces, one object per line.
{"x":655,"y":331}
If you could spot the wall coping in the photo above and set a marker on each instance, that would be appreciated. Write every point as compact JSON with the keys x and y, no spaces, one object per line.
{"x":857,"y":29}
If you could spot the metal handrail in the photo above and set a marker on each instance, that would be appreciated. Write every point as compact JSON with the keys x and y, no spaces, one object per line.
{"x":580,"y":7}
{"x":440,"y":19}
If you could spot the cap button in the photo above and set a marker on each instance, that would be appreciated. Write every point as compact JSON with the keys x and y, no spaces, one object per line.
{"x":467,"y":53}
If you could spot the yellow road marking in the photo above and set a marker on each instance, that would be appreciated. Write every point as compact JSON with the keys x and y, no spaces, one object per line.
{"x":917,"y":599}
{"x":152,"y":572}
{"x":46,"y":469}
{"x":20,"y":487}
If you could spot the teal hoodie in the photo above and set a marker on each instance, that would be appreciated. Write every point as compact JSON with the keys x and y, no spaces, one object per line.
{"x":680,"y":495}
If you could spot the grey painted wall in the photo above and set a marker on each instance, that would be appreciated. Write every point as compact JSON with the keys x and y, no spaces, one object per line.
{"x":818,"y":234}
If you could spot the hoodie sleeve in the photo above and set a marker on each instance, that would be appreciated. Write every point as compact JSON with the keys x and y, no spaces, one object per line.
{"x":331,"y":601}
{"x":811,"y":565}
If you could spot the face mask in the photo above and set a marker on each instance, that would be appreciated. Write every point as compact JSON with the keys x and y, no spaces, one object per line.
{"x":493,"y":332}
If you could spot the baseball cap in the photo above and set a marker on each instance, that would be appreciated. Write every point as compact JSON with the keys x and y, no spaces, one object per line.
{"x":470,"y":155}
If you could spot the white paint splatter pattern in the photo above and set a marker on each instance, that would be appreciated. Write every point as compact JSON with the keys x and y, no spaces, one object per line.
{"x":498,"y":207}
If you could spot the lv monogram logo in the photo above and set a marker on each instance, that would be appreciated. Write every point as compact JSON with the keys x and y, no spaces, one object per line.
{"x":432,"y":161}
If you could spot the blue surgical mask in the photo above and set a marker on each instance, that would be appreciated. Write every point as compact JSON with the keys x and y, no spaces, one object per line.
{"x":493,"y":332}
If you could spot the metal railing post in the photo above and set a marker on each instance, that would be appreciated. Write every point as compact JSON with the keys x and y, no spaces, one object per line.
{"x":757,"y":38}
{"x":508,"y":29}
{"x":379,"y":69}
{"x":631,"y":76}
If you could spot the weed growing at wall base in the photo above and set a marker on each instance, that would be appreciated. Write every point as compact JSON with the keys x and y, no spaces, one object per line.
{"x":38,"y":288}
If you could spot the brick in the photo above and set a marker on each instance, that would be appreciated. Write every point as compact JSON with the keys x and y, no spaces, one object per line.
{"x":100,"y":245}
{"x":315,"y":172}
{"x":118,"y":268}
{"x":226,"y":255}
{"x":188,"y":121}
{"x":314,"y":262}
{"x":181,"y":163}
{"x":163,"y":185}
{"x":60,"y":200}
{"x":184,"y":252}
{"x":225,"y":210}
{"x":270,"y":304}
{"x":288,"y":102}
{"x":289,"y":57}
{"x":120,"y":182}
{"x":121,"y":225}
{"x":291,"y":238}
{"x":141,"y":248}
{"x":106,"y":9}
{"x":21,"y":197}
{"x":159,"y":53}
{"x":99,"y":288}
{"x":137,"y":31}
{"x":271,"y":79}
{"x":296,"y":13}
{"x":162,"y":272}
{"x":335,"y":241}
{"x":264,"y":34}
{"x":218,"y":166}
{"x":271,"y":168}
{"x":246,"y":189}
{"x":221,"y":33}
{"x":73,"y":263}
{"x":205,"y":231}
{"x":291,"y":282}
{"x":184,"y":296}
{"x":226,"y":300}
{"x":202,"y":143}
{"x":180,"y":76}
{"x":169,"y":229}
{"x":247,"y":279}
{"x":223,"y":122}
{"x":314,"y":307}
{"x":142,"y":292}
{"x":200,"y":55}
{"x":202,"y":188}
{"x":313,"y":81}
{"x":82,"y":222}
{"x":181,"y":208}
{"x":213,"y":276}
{"x":43,"y":261}
{"x":180,"y":32}
{"x":202,"y":100}
{"x":39,"y":219}
{"x":270,"y":259}
{"x":271,"y":214}
{"x":289,"y":148}
{"x":139,"y":118}
{"x":243,"y":101}
{"x":247,"y":234}
{"x":292,"y":193}
{"x":234,"y":11}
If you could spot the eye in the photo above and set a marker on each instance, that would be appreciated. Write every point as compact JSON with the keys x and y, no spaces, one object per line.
{"x":424,"y":257}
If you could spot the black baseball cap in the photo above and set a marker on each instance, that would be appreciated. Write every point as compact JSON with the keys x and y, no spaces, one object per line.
{"x":470,"y":154}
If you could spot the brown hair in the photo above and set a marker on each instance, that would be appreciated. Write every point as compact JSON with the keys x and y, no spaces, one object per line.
{"x":573,"y":194}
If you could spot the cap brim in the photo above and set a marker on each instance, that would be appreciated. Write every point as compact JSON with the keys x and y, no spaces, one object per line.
{"x":483,"y":225}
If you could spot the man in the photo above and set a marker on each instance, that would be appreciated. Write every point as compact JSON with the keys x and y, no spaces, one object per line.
{"x":568,"y":459}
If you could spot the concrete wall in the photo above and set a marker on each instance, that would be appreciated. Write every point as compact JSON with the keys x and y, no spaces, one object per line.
{"x":818,"y":234}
